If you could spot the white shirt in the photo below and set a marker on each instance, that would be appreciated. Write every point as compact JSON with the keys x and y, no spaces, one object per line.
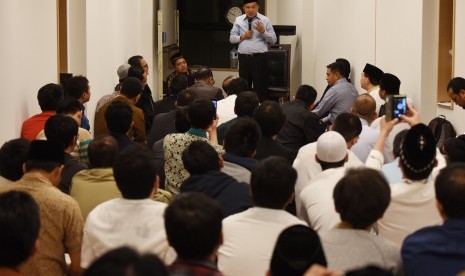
{"x":367,"y":142}
{"x":118,"y":222}
{"x":225,"y":109}
{"x":307,"y":168}
{"x":317,"y":200}
{"x":413,"y":206}
{"x":374,"y":92}
{"x":249,"y":240}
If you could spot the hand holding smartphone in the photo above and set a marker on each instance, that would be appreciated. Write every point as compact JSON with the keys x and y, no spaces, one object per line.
{"x":396,"y":105}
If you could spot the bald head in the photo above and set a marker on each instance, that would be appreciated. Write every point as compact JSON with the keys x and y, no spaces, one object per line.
{"x":102,"y":151}
{"x":365,"y":107}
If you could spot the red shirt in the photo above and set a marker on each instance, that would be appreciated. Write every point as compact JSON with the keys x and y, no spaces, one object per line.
{"x":35,"y":124}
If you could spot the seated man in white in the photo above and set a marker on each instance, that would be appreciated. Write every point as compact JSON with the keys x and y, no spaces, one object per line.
{"x":225,"y":107}
{"x":250,"y":236}
{"x":365,"y":109}
{"x":349,"y":126}
{"x":135,"y":220}
{"x":360,"y":197}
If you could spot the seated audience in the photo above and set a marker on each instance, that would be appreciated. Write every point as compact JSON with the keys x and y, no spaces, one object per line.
{"x":454,"y":149}
{"x":61,"y":221}
{"x":225,"y":107}
{"x":122,"y":75}
{"x":270,"y":117}
{"x":203,"y":87}
{"x":392,"y":171}
{"x":13,"y":154}
{"x":180,"y":68}
{"x":96,"y":185}
{"x":249,"y":237}
{"x":125,"y":261}
{"x":301,"y":126}
{"x":440,"y":250}
{"x":119,"y":120}
{"x":360,"y":197}
{"x":19,"y":231}
{"x":203,"y":163}
{"x":245,"y":104}
{"x":135,"y":220}
{"x":203,"y":120}
{"x":193,"y":227}
{"x":49,"y":96}
{"x":64,"y":129}
{"x":297,"y":248}
{"x":240,"y":146}
{"x":78,"y":88}
{"x":168,"y":103}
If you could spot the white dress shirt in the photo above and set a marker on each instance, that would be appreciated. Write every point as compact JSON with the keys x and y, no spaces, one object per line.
{"x":374,"y":92}
{"x":249,"y":240}
{"x":225,"y":109}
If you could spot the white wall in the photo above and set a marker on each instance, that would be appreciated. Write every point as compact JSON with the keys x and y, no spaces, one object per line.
{"x":28,"y":54}
{"x":77,"y":37}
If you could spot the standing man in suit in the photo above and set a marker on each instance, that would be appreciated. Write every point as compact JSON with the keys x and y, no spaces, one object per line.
{"x":253,"y":32}
{"x":203,"y":87}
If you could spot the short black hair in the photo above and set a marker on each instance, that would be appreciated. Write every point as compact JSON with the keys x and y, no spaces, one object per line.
{"x":242,"y":138}
{"x":245,"y":103}
{"x":200,"y":157}
{"x":49,"y":96}
{"x":201,"y":113}
{"x":61,"y":128}
{"x":237,"y":86}
{"x":397,"y":143}
{"x":181,"y":123}
{"x":185,"y":97}
{"x":272,"y":182}
{"x":135,"y":60}
{"x":125,"y":261}
{"x":131,"y":87}
{"x":370,"y":270}
{"x":338,"y":67}
{"x":13,"y":154}
{"x":178,"y":83}
{"x":102,"y":151}
{"x":69,"y":106}
{"x":307,"y":94}
{"x":348,"y":125}
{"x":20,"y":221}
{"x":331,"y":165}
{"x":118,"y":117}
{"x":76,"y":86}
{"x":450,"y":190}
{"x":193,"y":225}
{"x":136,"y":71}
{"x":135,"y":172}
{"x":456,"y":84}
{"x":346,"y":66}
{"x":361,"y":197}
{"x":270,"y":117}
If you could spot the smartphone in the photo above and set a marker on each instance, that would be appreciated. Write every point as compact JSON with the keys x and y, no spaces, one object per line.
{"x":214,"y":103}
{"x":396,"y":105}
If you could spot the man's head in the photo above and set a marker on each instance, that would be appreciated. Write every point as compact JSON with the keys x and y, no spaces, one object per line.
{"x":456,"y":91}
{"x":13,"y":154}
{"x":272,"y":183}
{"x":136,"y":71}
{"x":49,"y":96}
{"x":270,"y":117}
{"x":418,"y":153}
{"x":78,"y":88}
{"x":361,"y":197}
{"x":19,"y":234}
{"x":227,"y":83}
{"x":70,"y":107}
{"x":331,"y":150}
{"x":139,"y":60}
{"x":346,"y":71}
{"x":205,"y":74}
{"x":47,"y":157}
{"x":135,"y":173}
{"x":242,"y":138}
{"x":365,"y":107}
{"x":397,"y":143}
{"x":131,"y":88}
{"x":349,"y":126}
{"x":450,"y":191}
{"x":307,"y":94}
{"x":389,"y":85}
{"x":334,"y":72}
{"x":179,"y":63}
{"x":371,"y":76}
{"x":185,"y":97}
{"x":200,"y":157}
{"x":123,"y":72}
{"x":178,"y":83}
{"x":237,"y":86}
{"x":63,"y":129}
{"x":118,"y":117}
{"x":454,"y":148}
{"x":245,"y":103}
{"x":181,"y":122}
{"x":201,"y":113}
{"x":250,"y":8}
{"x":102,"y":151}
{"x":193,"y":226}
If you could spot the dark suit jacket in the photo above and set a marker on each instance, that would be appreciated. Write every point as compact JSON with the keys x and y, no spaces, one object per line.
{"x":162,"y":124}
{"x":268,"y":147}
{"x":164,"y":105}
{"x":206,"y":91}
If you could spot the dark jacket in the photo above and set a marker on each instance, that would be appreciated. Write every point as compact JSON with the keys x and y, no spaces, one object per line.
{"x":268,"y":147}
{"x":71,"y":167}
{"x":146,"y":103}
{"x":162,"y":125}
{"x":164,"y":105}
{"x":206,"y":92}
{"x":233,"y":196}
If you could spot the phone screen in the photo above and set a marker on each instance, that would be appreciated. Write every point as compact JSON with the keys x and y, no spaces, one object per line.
{"x":399,"y":106}
{"x":214,"y":103}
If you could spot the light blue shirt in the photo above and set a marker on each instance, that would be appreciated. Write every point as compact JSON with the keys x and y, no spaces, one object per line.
{"x":392,"y":172}
{"x":367,"y":141}
{"x":259,"y":42}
